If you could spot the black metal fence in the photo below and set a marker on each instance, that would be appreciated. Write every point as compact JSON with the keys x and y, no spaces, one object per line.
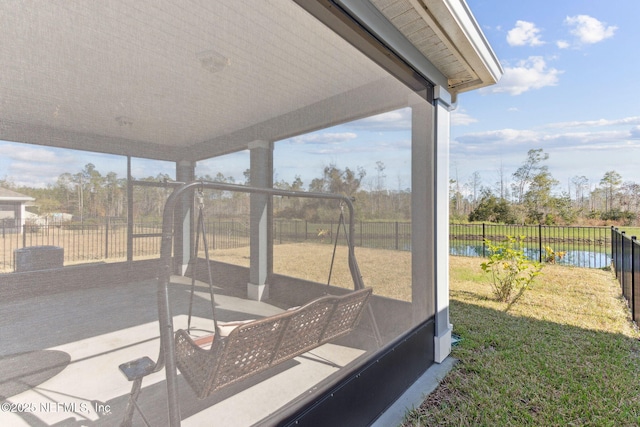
{"x":571,"y":245}
{"x":106,"y":239}
{"x":9,"y":226}
{"x":626,"y":262}
{"x":393,"y":235}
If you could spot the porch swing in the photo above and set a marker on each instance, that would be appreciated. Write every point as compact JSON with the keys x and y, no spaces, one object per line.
{"x":240,"y":350}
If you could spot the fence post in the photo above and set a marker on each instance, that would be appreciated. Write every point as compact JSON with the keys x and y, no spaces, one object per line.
{"x":484,"y":239}
{"x":633,"y":279}
{"x":622,"y":236}
{"x":24,"y":236}
{"x":396,"y":235}
{"x":540,"y":242}
{"x":106,"y":238}
{"x":213,"y":233}
{"x":613,"y":249}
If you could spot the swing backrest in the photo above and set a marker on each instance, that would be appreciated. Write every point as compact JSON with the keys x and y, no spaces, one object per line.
{"x":255,"y":346}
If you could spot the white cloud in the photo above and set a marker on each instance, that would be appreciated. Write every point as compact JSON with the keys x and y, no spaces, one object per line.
{"x":524,"y":34}
{"x":634,"y":120}
{"x":563,"y":44}
{"x":503,"y":141}
{"x":388,"y":117}
{"x":38,"y":175}
{"x":589,"y":30}
{"x":459,"y":117}
{"x":389,"y":121}
{"x":322,"y":138}
{"x":590,"y":153}
{"x":32,"y":154}
{"x":528,"y":74}
{"x":33,"y":166}
{"x":500,"y":136}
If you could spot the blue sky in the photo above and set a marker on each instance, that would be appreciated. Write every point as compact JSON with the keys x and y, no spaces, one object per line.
{"x":362,"y":144}
{"x":568,"y":88}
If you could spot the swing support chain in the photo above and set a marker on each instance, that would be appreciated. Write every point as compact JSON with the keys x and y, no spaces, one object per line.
{"x":201,"y":232}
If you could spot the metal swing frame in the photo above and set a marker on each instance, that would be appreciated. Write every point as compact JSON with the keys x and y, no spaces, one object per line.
{"x":136,"y":370}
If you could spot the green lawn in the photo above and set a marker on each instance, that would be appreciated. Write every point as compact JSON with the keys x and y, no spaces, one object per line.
{"x":630,"y":231}
{"x":566,"y":354}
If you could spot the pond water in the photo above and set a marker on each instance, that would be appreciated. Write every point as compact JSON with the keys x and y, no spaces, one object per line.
{"x":578,"y":258}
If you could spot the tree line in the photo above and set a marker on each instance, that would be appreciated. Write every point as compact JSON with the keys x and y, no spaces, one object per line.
{"x":526,"y":196}
{"x":530,"y":197}
{"x":90,"y":195}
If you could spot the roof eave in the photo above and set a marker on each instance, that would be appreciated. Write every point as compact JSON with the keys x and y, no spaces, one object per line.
{"x":465,"y":33}
{"x":17,"y":199}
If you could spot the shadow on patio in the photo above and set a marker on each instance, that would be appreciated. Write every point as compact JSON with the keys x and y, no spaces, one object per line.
{"x":61,"y":351}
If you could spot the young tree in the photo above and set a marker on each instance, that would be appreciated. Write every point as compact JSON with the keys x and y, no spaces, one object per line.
{"x":334,"y":180}
{"x":338,"y":181}
{"x":630,"y":195}
{"x":538,"y":199}
{"x":525,"y":174}
{"x":65,"y":191}
{"x":288,"y":207}
{"x":610,"y":181}
{"x":115,"y":194}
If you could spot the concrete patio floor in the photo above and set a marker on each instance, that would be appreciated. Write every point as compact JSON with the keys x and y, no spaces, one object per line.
{"x":60,"y":354}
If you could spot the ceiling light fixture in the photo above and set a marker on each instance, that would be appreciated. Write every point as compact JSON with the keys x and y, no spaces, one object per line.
{"x":212,"y":61}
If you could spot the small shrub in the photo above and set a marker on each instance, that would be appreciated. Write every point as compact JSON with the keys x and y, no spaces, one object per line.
{"x":323,"y":234}
{"x":551,"y":256}
{"x":511,"y":271}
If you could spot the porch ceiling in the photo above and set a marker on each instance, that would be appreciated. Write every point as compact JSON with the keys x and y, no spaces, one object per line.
{"x":160,"y":79}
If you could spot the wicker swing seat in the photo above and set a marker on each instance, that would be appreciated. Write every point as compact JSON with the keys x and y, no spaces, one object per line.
{"x":258,"y":345}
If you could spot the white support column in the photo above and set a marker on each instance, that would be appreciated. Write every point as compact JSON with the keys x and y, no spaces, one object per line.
{"x":183,"y":219}
{"x":443,"y":329}
{"x":22,"y":211}
{"x":422,"y":210}
{"x":261,"y":262}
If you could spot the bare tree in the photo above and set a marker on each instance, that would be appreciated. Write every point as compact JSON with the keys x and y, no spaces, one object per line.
{"x":501,"y":185}
{"x":580,"y":183}
{"x":475,"y":184}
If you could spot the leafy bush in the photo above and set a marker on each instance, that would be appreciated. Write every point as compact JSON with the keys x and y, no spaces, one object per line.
{"x":618,"y":215}
{"x":511,"y":271}
{"x":552,"y":256}
{"x":492,"y":209}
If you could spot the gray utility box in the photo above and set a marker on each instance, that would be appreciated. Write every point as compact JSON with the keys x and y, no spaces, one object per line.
{"x":38,"y":258}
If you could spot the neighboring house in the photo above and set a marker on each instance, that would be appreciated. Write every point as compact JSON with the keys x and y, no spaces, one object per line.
{"x":12,"y":210}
